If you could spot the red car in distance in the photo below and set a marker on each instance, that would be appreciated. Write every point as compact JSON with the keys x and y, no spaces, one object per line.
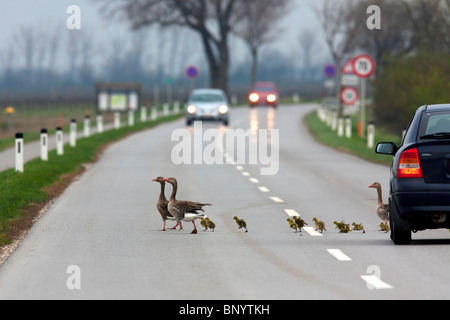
{"x":263,"y":93}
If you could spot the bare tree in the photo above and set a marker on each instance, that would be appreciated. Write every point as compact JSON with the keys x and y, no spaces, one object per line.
{"x":256,"y":27}
{"x":340,"y":31}
{"x":430,"y":20}
{"x":308,"y":45}
{"x":211,"y":19}
{"x":25,"y":40}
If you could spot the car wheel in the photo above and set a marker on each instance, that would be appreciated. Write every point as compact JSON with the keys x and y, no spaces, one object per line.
{"x":188,"y":122}
{"x":400,"y":228}
{"x":225,"y":122}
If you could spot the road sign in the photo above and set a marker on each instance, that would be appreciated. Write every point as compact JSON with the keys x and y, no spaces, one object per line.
{"x":363,"y":66}
{"x":349,"y":96}
{"x":329,"y":70}
{"x":191,"y":72}
{"x":349,"y":80}
{"x":348,"y":67}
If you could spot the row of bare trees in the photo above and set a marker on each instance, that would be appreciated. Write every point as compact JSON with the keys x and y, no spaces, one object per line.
{"x":213,"y":20}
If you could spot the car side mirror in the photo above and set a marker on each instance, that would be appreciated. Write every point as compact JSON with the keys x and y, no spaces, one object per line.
{"x":386,"y":148}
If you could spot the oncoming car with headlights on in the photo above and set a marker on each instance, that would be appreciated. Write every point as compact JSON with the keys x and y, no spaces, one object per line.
{"x":263,"y":93}
{"x":207,"y":104}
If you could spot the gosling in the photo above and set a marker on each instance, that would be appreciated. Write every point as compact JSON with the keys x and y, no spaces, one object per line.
{"x":241,"y":223}
{"x":358,"y":227}
{"x":210,"y":224}
{"x":320,"y":225}
{"x":292,"y":224}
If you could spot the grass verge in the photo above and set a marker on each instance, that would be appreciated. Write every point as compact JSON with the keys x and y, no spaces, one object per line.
{"x":24,"y":195}
{"x":354,"y":145}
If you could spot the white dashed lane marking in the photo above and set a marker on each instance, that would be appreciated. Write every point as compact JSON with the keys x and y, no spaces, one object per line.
{"x":276,"y":199}
{"x":375,"y":282}
{"x":338,"y":254}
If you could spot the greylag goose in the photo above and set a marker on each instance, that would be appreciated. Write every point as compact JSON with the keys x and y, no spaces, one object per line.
{"x":320,"y":225}
{"x":162,"y":203}
{"x":241,"y":223}
{"x":184,"y":210}
{"x":382,"y":209}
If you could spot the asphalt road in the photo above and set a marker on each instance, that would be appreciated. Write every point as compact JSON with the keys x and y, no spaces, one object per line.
{"x":101,"y":238}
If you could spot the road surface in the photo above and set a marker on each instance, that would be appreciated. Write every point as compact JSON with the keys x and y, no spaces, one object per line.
{"x":101,"y":238}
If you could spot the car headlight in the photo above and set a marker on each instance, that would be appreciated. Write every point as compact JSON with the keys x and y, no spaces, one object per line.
{"x":191,"y":109}
{"x":223,"y":109}
{"x":271,"y":97}
{"x":253,"y":97}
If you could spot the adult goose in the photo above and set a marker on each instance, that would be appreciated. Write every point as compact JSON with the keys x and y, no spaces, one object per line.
{"x":162,"y":203}
{"x":382,"y":209}
{"x":184,"y":210}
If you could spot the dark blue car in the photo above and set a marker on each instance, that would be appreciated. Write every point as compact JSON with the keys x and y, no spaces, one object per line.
{"x":419,"y":195}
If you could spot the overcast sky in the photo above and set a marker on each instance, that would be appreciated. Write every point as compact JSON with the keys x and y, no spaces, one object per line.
{"x":52,"y":14}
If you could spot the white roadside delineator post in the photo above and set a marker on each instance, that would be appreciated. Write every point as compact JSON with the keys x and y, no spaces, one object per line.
{"x":370,"y":135}
{"x":44,"y":144}
{"x":99,"y":122}
{"x":176,"y":107}
{"x":116,"y":120}
{"x":143,"y":113}
{"x":19,"y":151}
{"x":87,"y":126}
{"x":166,"y":109}
{"x":59,"y":141}
{"x":73,"y":133}
{"x":340,"y":129}
{"x":154,"y":113}
{"x":130,"y":118}
{"x":348,"y":127}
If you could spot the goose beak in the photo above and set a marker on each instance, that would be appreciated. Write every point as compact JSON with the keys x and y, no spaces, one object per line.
{"x":154,"y":179}
{"x":166,"y":179}
{"x":371,"y":186}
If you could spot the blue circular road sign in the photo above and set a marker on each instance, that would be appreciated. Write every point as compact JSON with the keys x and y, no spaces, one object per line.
{"x":191,"y":72}
{"x":329,"y":70}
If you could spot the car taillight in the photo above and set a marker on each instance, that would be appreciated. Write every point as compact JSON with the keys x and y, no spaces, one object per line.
{"x":254,"y":97}
{"x":409,"y":164}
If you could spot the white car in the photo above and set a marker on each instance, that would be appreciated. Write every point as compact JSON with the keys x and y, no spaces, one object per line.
{"x":207,"y":104}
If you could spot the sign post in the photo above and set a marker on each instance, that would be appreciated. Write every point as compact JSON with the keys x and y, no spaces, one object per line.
{"x":192,"y":73}
{"x":330,"y":71}
{"x":363,"y":67}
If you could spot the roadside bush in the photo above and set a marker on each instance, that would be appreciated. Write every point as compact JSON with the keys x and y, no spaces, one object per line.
{"x":406,"y":83}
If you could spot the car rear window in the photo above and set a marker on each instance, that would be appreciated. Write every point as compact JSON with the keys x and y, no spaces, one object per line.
{"x":434,"y":122}
{"x":207,"y":97}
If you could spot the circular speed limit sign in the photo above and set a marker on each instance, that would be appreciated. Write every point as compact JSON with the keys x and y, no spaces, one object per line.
{"x":363,"y":66}
{"x":349,"y":96}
